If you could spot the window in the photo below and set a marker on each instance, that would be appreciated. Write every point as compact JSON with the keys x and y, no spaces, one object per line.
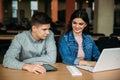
{"x":93,"y":6}
{"x":14,"y":8}
{"x":33,"y":6}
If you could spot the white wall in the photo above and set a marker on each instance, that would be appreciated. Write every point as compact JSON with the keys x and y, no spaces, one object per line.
{"x":104,"y":16}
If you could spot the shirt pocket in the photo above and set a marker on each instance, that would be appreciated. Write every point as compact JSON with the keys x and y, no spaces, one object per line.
{"x":44,"y":52}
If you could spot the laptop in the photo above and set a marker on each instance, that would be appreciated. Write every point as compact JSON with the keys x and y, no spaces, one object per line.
{"x":108,"y":60}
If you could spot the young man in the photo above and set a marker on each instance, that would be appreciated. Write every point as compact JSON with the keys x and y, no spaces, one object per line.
{"x":30,"y":49}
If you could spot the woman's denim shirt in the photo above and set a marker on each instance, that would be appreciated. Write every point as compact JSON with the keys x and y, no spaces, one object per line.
{"x":69,"y":48}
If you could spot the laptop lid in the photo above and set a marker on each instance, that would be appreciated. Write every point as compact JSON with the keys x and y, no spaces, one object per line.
{"x":108,"y":60}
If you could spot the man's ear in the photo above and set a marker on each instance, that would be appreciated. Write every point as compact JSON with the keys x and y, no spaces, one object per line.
{"x":33,"y":28}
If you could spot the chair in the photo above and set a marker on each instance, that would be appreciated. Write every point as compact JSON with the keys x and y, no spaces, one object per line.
{"x":97,"y":34}
{"x":4,"y":45}
{"x":107,"y":42}
{"x":114,"y":34}
{"x":59,"y":59}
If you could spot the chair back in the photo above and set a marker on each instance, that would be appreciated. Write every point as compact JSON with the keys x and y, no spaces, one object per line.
{"x":107,"y":42}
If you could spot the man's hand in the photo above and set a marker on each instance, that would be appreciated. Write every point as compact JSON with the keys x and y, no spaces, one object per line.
{"x":35,"y":68}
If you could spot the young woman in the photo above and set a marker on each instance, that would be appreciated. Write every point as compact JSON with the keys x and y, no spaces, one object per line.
{"x":76,"y":46}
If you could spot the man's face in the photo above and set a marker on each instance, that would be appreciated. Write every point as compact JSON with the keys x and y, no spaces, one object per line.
{"x":40,"y":31}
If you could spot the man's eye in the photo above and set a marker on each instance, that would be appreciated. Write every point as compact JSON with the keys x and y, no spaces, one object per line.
{"x":44,"y":29}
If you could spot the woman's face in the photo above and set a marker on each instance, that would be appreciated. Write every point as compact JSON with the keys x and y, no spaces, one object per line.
{"x":78,"y":25}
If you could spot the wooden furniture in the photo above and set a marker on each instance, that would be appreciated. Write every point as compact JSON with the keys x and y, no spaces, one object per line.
{"x":6,"y":37}
{"x":15,"y":31}
{"x":96,"y":37}
{"x":61,"y":74}
{"x":10,"y":37}
{"x":119,"y":37}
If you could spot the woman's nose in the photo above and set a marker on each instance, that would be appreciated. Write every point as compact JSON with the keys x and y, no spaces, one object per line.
{"x":77,"y":25}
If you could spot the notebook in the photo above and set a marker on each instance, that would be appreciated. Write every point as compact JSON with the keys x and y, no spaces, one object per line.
{"x":108,"y":60}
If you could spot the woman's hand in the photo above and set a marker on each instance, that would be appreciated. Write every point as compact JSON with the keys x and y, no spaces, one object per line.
{"x":87,"y":63}
{"x":35,"y":68}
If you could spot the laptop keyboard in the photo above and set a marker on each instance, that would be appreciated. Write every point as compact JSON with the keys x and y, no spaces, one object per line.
{"x":86,"y":67}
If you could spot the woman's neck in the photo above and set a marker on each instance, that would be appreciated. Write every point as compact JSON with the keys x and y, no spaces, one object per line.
{"x":77,"y":34}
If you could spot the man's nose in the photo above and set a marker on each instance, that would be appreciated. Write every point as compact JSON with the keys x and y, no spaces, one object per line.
{"x":47,"y":32}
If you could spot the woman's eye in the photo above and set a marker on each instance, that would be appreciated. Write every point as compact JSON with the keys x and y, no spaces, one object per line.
{"x":81,"y":24}
{"x":74,"y":23}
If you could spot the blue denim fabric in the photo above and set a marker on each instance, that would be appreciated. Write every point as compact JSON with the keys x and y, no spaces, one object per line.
{"x":69,"y":48}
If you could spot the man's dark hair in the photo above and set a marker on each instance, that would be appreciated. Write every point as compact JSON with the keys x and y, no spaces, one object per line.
{"x":40,"y":18}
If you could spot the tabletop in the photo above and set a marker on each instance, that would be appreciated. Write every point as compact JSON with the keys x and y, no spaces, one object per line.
{"x":61,"y":74}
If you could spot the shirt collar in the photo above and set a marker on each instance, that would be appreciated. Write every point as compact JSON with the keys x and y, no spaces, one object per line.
{"x":31,"y":37}
{"x":71,"y":36}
